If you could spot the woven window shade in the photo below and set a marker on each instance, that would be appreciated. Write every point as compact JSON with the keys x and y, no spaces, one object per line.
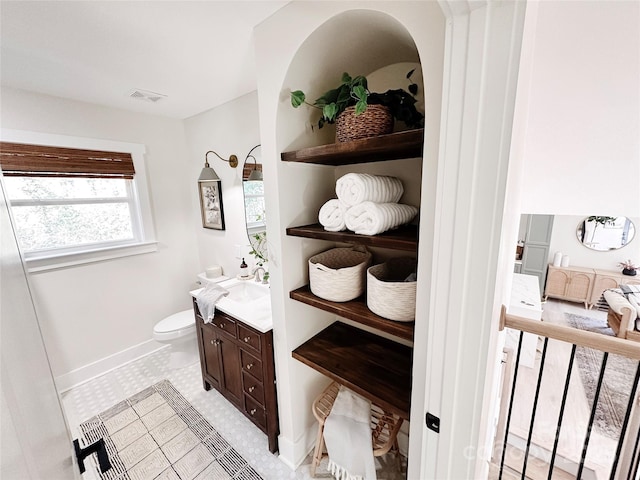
{"x":17,"y":159}
{"x":250,"y":167}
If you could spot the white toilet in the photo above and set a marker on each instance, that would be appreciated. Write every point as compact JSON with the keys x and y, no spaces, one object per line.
{"x":178,"y":330}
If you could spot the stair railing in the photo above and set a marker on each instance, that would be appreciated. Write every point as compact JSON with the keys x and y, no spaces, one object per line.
{"x":627,"y":456}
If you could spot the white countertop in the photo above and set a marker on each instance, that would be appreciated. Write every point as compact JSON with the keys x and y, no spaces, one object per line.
{"x":255,"y":313}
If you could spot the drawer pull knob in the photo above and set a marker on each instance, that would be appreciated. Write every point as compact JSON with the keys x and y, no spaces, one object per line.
{"x":215,"y":342}
{"x":253,"y":411}
{"x":246,"y":339}
{"x":221,"y":324}
{"x":212,"y":342}
{"x":251,"y":389}
{"x":249,"y":366}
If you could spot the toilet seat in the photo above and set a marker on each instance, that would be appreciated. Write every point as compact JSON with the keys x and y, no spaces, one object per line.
{"x":175,"y":326}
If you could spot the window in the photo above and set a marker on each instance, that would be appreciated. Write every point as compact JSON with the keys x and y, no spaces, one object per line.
{"x":253,"y":200}
{"x":73,"y":203}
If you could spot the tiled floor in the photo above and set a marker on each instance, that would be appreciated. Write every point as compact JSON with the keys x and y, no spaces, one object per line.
{"x":86,"y":400}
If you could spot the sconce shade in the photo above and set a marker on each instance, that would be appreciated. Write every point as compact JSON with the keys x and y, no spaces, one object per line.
{"x":207,"y":174}
{"x":255,"y":176}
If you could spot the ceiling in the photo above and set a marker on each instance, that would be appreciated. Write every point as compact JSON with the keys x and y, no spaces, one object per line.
{"x":197,"y":53}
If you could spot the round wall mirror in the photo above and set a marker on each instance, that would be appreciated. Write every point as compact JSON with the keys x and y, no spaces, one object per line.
{"x":254,"y":210}
{"x":605,"y":233}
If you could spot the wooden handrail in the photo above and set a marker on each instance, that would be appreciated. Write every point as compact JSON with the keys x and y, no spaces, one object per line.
{"x":583,"y":338}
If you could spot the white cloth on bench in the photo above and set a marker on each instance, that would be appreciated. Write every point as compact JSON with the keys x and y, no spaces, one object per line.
{"x":347,"y":435}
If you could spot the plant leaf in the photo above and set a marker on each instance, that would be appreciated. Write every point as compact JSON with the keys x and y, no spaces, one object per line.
{"x":360,"y":92}
{"x":346,"y":78}
{"x":330,"y":96}
{"x":361,"y":106}
{"x":344,"y":96}
{"x":297,"y":98}
{"x":329,"y":112}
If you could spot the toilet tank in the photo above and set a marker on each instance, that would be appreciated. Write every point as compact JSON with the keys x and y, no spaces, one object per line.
{"x":202,"y":279}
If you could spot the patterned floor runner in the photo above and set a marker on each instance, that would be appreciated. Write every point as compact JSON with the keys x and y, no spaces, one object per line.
{"x":158,"y":434}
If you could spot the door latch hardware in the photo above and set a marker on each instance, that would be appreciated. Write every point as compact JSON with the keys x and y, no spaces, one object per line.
{"x":433,"y":422}
{"x":98,"y":447}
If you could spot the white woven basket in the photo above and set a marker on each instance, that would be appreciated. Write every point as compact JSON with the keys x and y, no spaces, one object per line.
{"x":339,"y":274}
{"x":388,"y":295}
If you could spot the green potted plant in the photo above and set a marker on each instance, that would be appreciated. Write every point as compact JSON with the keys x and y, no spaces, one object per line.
{"x":359,"y":113}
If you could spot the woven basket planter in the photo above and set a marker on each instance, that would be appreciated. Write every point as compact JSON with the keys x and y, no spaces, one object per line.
{"x":375,"y":120}
{"x":388,"y":295}
{"x":339,"y":274}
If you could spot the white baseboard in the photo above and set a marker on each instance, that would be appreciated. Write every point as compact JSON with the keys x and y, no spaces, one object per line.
{"x":104,"y":365}
{"x":294,"y":453}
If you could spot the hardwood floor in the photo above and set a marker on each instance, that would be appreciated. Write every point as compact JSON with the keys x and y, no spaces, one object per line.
{"x":535,"y":470}
{"x":601,"y":450}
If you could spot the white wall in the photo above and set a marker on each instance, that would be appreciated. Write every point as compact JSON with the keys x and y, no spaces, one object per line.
{"x":563,"y":239}
{"x":582,"y":144}
{"x":231,"y":128}
{"x":96,"y":310}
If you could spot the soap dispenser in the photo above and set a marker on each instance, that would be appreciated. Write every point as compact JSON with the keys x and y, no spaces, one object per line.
{"x":244,"y":269}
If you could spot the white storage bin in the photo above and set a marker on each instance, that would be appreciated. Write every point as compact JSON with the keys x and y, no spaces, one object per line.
{"x":388,"y":294}
{"x":339,"y":274}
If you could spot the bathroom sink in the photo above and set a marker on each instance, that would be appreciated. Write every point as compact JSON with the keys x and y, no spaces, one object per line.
{"x":247,"y":301}
{"x":246,"y":291}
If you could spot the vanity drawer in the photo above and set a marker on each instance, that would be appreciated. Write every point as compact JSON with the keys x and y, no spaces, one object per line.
{"x":251,"y":365}
{"x":255,"y":411}
{"x":225,"y":323}
{"x":253,"y":388}
{"x":249,"y":337}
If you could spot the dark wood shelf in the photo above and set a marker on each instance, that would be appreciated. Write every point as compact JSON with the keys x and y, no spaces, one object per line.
{"x":402,"y":238}
{"x":407,"y":144}
{"x":355,"y":310}
{"x":371,"y":366}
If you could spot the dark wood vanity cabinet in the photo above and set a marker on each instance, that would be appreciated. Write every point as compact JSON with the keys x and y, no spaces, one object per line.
{"x":237,"y":360}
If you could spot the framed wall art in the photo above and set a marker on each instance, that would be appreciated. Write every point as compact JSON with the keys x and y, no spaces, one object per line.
{"x":211,"y":204}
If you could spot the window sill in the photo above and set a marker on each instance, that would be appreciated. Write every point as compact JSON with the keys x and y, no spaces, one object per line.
{"x":43,"y":264}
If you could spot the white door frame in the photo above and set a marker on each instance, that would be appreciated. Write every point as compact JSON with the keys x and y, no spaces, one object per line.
{"x":453,"y":350}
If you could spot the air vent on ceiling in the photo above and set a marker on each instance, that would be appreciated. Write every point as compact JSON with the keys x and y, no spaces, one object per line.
{"x":146,"y":95}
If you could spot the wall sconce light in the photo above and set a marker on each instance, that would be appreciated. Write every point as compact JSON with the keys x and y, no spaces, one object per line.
{"x":209,"y":173}
{"x":256,"y":175}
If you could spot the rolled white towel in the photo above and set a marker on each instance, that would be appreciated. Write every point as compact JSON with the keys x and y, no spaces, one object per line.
{"x":331,"y":215}
{"x":354,"y":188}
{"x":369,"y":218}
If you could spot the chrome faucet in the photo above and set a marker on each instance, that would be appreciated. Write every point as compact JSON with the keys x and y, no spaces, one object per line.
{"x":256,"y":272}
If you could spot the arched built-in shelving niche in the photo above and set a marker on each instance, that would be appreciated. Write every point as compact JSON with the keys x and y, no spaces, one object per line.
{"x":358,"y":42}
{"x":372,"y":43}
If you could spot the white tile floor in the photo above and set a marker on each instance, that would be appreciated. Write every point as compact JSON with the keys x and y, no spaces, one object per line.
{"x":86,"y":400}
